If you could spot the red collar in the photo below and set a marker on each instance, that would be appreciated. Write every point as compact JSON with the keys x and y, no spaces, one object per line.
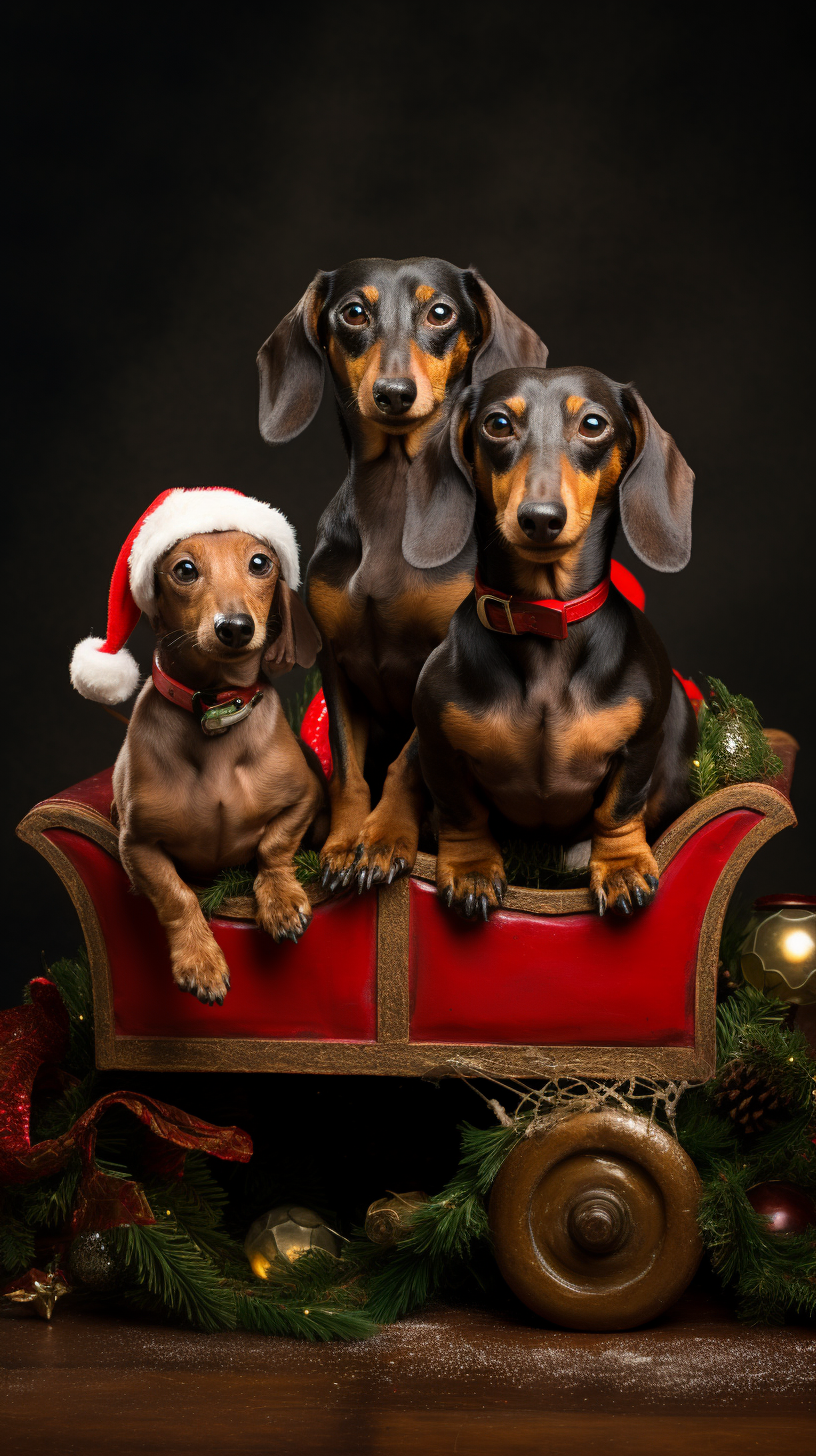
{"x":548,"y":618}
{"x":217,"y":711}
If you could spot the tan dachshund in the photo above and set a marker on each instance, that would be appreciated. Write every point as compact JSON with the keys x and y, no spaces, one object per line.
{"x":210,"y":773}
{"x":187,"y":799}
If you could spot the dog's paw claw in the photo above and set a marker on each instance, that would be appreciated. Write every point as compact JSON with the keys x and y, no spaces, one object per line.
{"x":652,"y":881}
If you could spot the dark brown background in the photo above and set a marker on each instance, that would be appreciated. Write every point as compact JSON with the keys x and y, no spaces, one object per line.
{"x":627,"y":180}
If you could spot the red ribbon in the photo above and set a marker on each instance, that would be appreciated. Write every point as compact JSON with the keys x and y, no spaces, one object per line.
{"x":35,"y":1035}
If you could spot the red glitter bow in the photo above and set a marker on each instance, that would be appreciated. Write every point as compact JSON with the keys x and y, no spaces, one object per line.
{"x":36,"y":1035}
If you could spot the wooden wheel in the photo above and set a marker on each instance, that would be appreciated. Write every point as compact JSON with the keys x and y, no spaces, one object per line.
{"x":594,"y":1221}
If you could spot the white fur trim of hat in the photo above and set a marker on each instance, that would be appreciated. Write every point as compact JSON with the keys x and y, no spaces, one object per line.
{"x":103,"y":669}
{"x":197,"y":513}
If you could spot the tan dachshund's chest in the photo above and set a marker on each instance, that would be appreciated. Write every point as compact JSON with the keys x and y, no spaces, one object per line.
{"x":542,"y":763}
{"x":208,"y":801}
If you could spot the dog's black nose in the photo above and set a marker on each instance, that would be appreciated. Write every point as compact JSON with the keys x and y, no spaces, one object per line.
{"x":394,"y":396}
{"x":236,"y":630}
{"x":542,"y":521}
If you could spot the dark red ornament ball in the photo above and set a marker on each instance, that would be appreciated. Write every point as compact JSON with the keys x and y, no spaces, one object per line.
{"x":786,"y":1209}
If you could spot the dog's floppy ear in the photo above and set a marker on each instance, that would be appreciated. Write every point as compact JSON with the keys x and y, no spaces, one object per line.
{"x":441,"y":499}
{"x":507,"y":342}
{"x":297,"y":640}
{"x":655,"y":492}
{"x":290,"y":364}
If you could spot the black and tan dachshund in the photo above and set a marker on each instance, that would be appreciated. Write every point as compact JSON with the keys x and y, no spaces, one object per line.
{"x":395,"y":553}
{"x":551,"y":703}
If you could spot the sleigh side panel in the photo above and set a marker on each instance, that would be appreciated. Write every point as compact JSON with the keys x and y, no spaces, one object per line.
{"x":389,"y":984}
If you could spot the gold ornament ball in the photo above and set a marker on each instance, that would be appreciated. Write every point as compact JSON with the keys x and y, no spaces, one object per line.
{"x":287,"y":1233}
{"x":390,"y":1219}
{"x":780,"y":951}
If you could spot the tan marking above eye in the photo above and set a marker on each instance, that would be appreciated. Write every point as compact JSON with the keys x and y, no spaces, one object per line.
{"x":575,"y":402}
{"x":370,"y":292}
{"x":424,"y":292}
{"x":517,"y":404}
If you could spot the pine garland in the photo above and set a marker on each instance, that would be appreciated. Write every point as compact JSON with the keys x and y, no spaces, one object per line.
{"x":771,"y":1277}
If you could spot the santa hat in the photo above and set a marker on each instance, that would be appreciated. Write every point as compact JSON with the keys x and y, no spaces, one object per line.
{"x":104,"y":670}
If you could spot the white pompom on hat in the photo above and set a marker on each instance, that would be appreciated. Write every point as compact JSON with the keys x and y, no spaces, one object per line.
{"x":103,"y":669}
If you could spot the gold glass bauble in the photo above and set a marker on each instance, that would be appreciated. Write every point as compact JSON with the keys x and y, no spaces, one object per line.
{"x":287,"y":1233}
{"x":389,"y":1219}
{"x":780,"y":951}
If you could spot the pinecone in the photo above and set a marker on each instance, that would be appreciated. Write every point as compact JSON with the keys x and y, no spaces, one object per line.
{"x":747,"y":1096}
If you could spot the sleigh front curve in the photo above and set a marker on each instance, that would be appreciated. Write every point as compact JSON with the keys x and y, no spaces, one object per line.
{"x":391,"y":983}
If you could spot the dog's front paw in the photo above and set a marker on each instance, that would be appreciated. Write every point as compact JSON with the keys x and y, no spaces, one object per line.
{"x":620,"y":884}
{"x":338,"y":863}
{"x":473,"y":883}
{"x":283,"y":908}
{"x":199,"y":966}
{"x":387,"y":849}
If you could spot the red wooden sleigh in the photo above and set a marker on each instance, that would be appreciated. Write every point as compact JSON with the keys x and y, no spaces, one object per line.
{"x":391,"y":982}
{"x":594,"y":1217}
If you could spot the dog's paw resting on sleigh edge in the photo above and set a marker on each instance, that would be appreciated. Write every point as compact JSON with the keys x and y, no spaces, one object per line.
{"x":210,"y":774}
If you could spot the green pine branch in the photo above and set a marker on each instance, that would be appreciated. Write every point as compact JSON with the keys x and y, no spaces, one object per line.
{"x":239,"y":880}
{"x":162,"y":1261}
{"x":772,"y":1276}
{"x":16,"y":1243}
{"x":443,"y":1245}
{"x":72,"y":978}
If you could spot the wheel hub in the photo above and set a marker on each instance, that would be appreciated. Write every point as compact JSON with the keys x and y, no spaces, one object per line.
{"x":598,"y":1222}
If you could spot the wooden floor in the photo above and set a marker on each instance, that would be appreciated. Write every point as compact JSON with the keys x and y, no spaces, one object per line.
{"x":449,"y":1380}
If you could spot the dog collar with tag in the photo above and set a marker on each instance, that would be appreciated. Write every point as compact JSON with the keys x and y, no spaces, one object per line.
{"x":549,"y":617}
{"x":218,"y":711}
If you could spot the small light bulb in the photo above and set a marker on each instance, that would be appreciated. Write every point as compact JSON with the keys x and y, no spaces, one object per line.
{"x":797,"y":945}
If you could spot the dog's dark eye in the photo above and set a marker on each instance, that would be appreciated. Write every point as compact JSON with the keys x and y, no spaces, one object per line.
{"x":592,"y":426}
{"x":185,"y":571}
{"x":498,"y":427}
{"x":355,"y":315}
{"x":440,"y":314}
{"x":260,"y":565}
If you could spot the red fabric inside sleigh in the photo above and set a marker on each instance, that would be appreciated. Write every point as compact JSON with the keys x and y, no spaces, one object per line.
{"x":314,"y":729}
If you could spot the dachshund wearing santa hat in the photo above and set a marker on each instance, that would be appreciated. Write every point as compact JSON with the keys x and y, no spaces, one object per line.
{"x":210,"y":773}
